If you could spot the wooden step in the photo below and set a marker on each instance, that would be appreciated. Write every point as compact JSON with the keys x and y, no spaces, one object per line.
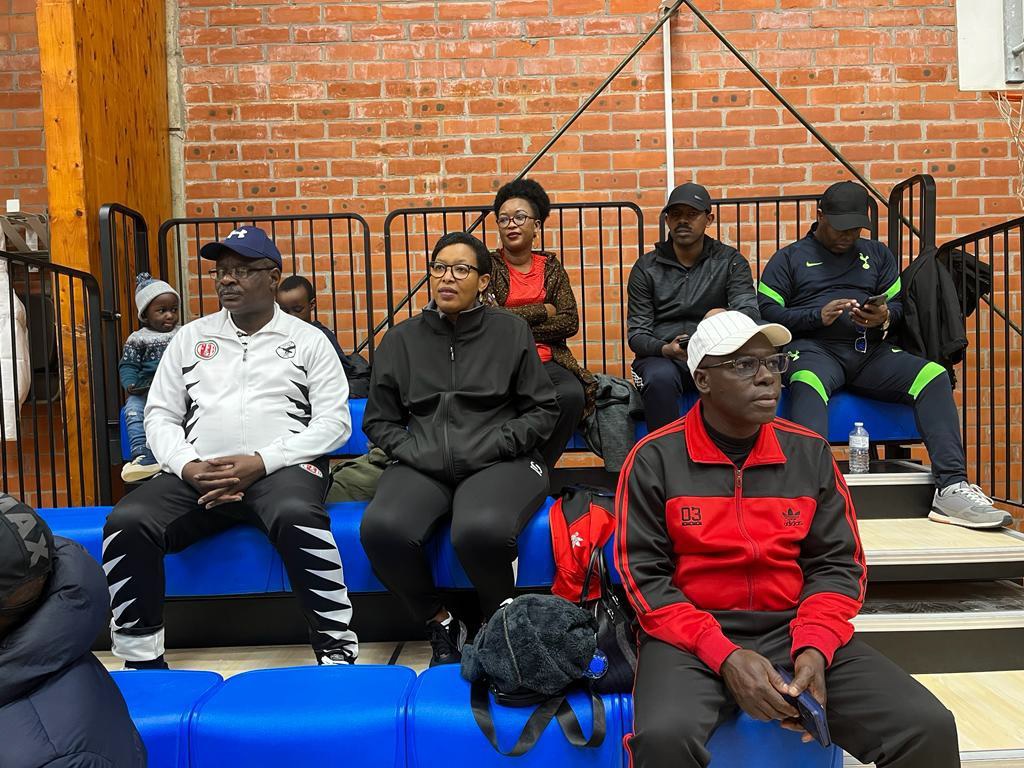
{"x":893,"y":489}
{"x":945,"y":627}
{"x":922,"y":550}
{"x":989,"y":711}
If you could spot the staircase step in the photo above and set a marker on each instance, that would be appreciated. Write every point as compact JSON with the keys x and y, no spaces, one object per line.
{"x":893,"y":489}
{"x":922,"y":550}
{"x":939,"y":627}
{"x":988,"y":707}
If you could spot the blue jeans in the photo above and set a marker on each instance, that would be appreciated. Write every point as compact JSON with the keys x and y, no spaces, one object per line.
{"x":134,"y":412}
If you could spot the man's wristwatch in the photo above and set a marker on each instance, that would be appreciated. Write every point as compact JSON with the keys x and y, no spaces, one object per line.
{"x":885,"y":325}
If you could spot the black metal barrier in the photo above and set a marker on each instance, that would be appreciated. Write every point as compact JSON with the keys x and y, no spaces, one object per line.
{"x":52,"y":385}
{"x":596,"y":242}
{"x":911,"y":218}
{"x":331,"y":250}
{"x":986,"y":269}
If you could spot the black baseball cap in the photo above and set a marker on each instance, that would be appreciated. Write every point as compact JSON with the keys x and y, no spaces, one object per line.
{"x":26,"y":548}
{"x":845,"y":205}
{"x":250,"y":242}
{"x":693,"y":195}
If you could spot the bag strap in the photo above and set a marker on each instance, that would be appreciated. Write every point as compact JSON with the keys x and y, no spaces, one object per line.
{"x":596,"y":561}
{"x":555,"y":707}
{"x":571,"y":724}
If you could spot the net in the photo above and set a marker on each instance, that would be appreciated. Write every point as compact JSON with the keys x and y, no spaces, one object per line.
{"x":1011,"y":107}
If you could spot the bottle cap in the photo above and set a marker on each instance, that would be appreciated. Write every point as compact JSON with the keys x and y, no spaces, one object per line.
{"x":858,"y":423}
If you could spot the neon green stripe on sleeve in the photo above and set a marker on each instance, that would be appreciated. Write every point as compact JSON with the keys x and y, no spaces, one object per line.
{"x":924,"y":378}
{"x":810,"y":378}
{"x":771,"y":294}
{"x":893,"y":290}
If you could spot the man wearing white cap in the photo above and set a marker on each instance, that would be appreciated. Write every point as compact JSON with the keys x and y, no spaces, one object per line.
{"x":738,"y":547}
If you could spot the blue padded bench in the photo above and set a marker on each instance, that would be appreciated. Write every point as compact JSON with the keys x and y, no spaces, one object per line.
{"x":355,"y":446}
{"x":441,"y":730}
{"x":885,"y":422}
{"x":744,"y":741}
{"x":305,"y":716}
{"x":161,"y":704}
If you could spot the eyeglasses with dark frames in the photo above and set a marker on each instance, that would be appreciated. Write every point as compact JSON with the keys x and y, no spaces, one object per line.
{"x":236,"y":273}
{"x":437,"y":269}
{"x":747,"y":366}
{"x":518,"y":219}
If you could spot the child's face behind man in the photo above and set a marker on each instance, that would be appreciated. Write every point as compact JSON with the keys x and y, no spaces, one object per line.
{"x":162,"y":313}
{"x":296,"y":303}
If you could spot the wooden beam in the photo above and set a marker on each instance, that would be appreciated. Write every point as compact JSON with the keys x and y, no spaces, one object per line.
{"x":104,"y":81}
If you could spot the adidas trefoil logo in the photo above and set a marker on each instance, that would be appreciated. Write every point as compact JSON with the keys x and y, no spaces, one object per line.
{"x":791,"y":518}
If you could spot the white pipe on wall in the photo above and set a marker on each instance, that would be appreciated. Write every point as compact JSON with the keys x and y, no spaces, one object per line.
{"x":670,"y":150}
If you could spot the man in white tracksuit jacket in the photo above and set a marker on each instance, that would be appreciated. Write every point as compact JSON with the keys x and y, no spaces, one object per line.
{"x":241,"y":412}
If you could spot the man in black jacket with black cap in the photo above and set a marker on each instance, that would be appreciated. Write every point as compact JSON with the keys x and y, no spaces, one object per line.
{"x":671,"y":289}
{"x":58,"y":705}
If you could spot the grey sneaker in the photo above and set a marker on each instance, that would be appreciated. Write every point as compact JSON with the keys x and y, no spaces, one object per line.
{"x":965,"y":504}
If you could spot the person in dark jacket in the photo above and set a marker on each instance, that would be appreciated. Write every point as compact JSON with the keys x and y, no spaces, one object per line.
{"x":460,"y":401}
{"x":295,"y":295}
{"x":819,"y":287}
{"x":534,"y":285}
{"x":671,"y":289}
{"x":738,"y":547}
{"x":58,"y":706}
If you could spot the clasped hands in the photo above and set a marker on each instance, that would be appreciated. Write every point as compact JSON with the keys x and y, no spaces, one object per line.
{"x":758,"y":688}
{"x":223,"y":480}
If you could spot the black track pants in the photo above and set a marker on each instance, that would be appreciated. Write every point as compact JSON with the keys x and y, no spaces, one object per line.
{"x":571,"y":401}
{"x":488,"y":510}
{"x":876,"y":711}
{"x":661,"y":382}
{"x":816,"y":370}
{"x":162,"y":517}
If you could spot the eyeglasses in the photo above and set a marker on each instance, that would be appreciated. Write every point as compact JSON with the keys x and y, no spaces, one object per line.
{"x":236,"y":273}
{"x":746,"y":367}
{"x":519,"y":219}
{"x":438,"y":269}
{"x":860,"y":344}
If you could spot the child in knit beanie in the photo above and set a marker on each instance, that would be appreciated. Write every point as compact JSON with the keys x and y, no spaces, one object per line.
{"x":158,"y":306}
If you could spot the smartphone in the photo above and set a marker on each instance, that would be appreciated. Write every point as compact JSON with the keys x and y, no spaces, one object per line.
{"x":682,"y":340}
{"x":812,"y":714}
{"x":876,"y":300}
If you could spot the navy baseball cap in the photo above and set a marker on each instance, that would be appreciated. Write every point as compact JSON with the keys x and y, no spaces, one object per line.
{"x":250,"y":242}
{"x":26,"y":548}
{"x":845,"y":205}
{"x":693,"y":195}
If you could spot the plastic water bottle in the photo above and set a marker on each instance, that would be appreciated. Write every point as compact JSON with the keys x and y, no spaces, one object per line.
{"x":860,"y":441}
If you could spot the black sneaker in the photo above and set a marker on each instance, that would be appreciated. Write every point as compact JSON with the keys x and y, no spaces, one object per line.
{"x":446,"y":642}
{"x":157,"y":663}
{"x":336,"y":659}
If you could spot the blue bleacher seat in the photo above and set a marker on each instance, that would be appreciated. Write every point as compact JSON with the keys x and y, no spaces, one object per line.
{"x":305,"y":716}
{"x":161,"y":704}
{"x":744,"y":741}
{"x":355,"y":446}
{"x":441,"y":730}
{"x":885,"y":422}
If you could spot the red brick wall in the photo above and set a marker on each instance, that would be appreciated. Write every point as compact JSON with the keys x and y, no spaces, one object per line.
{"x":22,"y":160}
{"x":369,"y":106}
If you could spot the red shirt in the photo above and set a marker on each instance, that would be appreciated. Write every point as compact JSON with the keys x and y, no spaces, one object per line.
{"x":528,"y":288}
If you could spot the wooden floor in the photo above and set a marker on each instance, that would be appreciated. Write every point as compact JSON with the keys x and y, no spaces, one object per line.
{"x":921,"y":538}
{"x":989,"y":706}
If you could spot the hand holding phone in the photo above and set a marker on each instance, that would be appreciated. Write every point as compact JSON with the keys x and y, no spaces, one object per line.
{"x":876,"y":300}
{"x":812,"y":714}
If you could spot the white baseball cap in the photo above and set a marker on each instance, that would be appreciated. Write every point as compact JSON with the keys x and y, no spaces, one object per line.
{"x":725,"y":332}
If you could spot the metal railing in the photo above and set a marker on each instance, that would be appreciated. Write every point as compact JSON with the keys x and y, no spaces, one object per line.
{"x":52,"y":385}
{"x":911,"y":218}
{"x":597,"y":244}
{"x":331,"y":250}
{"x":986,"y":270}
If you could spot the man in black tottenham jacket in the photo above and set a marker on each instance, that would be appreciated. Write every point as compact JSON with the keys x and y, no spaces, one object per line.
{"x":671,"y":289}
{"x":460,"y":401}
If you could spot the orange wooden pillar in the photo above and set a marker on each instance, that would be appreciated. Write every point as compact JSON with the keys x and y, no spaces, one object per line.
{"x":104,"y":77}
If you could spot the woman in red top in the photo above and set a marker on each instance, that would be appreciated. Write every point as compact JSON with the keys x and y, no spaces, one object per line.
{"x":534,"y":285}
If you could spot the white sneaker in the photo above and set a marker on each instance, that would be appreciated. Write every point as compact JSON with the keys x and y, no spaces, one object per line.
{"x":966,"y":505}
{"x":135,"y":471}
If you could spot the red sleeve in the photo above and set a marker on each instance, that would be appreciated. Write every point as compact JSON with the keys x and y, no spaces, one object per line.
{"x":835,"y":574}
{"x":644,"y":557}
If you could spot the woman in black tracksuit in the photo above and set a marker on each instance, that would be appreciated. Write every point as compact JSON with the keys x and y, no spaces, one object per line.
{"x":460,"y":401}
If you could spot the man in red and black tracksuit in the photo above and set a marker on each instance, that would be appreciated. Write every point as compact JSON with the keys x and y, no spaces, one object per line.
{"x":738,"y":547}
